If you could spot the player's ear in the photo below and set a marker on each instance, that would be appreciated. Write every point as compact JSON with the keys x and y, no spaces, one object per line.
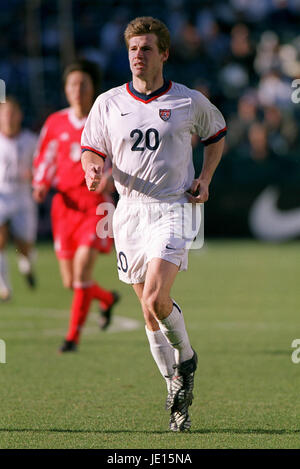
{"x":165,"y":55}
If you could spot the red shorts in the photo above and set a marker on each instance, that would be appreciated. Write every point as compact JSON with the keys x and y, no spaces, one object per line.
{"x":73,"y":228}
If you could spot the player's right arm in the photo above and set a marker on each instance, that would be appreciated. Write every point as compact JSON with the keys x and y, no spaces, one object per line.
{"x":92,"y":165}
{"x":93,"y":145}
{"x":44,"y":164}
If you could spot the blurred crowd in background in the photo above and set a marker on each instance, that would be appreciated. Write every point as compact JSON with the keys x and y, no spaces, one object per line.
{"x":243,"y":55}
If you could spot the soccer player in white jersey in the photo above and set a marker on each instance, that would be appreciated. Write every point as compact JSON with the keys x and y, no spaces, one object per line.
{"x":17,"y":208}
{"x":145,"y":128}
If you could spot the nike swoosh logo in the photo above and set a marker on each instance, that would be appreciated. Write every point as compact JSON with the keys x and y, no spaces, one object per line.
{"x":125,"y":113}
{"x":169,"y":247}
{"x":268,"y":222}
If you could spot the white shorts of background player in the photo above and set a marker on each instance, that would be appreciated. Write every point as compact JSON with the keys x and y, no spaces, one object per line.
{"x":21,"y":213}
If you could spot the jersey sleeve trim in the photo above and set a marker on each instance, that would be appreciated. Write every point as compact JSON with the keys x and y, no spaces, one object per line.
{"x":215,"y":138}
{"x":85,"y":148}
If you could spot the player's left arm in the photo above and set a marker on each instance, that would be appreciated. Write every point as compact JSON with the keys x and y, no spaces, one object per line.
{"x":211,"y":159}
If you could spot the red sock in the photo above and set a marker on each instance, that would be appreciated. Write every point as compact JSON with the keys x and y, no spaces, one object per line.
{"x":104,"y":296}
{"x":80,"y":307}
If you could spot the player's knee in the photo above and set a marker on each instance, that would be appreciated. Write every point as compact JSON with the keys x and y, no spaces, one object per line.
{"x":150,"y":322}
{"x":156,"y":305}
{"x":67,"y":283}
{"x":82,"y":273}
{"x":148,"y":317}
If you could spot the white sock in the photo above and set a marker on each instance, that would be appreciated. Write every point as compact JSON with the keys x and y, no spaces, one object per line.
{"x":4,"y":282}
{"x":173,"y":328}
{"x":162,"y":352}
{"x":25,"y":262}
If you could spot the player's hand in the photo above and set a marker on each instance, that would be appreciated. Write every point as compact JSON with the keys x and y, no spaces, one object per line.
{"x":93,"y":176}
{"x":106,"y":184}
{"x":39,"y":193}
{"x":198,"y":193}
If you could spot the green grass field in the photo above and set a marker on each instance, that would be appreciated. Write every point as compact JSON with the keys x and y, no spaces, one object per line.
{"x":241,"y":303}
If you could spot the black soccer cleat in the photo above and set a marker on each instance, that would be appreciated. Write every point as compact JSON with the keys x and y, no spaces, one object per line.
{"x":68,"y":346}
{"x":30,"y":279}
{"x":106,"y":314}
{"x":181,"y":396}
{"x":180,"y":420}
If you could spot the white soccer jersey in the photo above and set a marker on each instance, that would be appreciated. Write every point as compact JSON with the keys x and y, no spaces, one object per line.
{"x":148,"y":138}
{"x":16,"y":155}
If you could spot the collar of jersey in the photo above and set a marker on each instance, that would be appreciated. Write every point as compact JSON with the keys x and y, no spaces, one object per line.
{"x":146,"y":98}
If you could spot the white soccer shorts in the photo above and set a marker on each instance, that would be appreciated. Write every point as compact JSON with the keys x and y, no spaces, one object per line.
{"x":21,"y":213}
{"x":143,"y":231}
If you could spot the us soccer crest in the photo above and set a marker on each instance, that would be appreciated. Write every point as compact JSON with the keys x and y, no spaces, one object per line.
{"x":165,"y":114}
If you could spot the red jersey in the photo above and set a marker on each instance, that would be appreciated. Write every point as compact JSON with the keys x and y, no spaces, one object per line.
{"x":58,"y":163}
{"x":58,"y":159}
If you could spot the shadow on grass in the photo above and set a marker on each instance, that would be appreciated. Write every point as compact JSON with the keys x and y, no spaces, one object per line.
{"x":203,"y":431}
{"x":275,"y":352}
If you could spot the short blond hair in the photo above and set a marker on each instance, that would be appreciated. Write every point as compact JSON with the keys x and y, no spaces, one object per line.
{"x":148,"y":25}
